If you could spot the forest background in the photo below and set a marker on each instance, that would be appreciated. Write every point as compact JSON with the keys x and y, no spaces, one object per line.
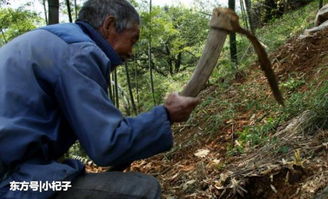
{"x":172,"y":39}
{"x":171,"y":42}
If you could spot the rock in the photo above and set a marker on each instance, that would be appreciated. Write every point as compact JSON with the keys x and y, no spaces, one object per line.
{"x":321,"y":22}
{"x":322,"y":15}
{"x":318,"y":28}
{"x":298,"y":124}
{"x":309,"y":32}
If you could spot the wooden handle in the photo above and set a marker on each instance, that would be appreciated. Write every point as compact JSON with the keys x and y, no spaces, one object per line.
{"x":223,"y":21}
{"x":211,"y":53}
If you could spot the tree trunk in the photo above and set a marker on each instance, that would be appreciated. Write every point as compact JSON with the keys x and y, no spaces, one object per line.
{"x":169,"y":60}
{"x":134,"y":108}
{"x":320,"y":3}
{"x":244,"y":13}
{"x":178,"y":62}
{"x":45,"y":11}
{"x":53,"y":11}
{"x":149,"y":55}
{"x":233,"y":43}
{"x":69,"y":11}
{"x":270,"y":9}
{"x":137,"y":87}
{"x":4,"y":37}
{"x":286,"y":4}
{"x":75,"y":9}
{"x":250,"y":14}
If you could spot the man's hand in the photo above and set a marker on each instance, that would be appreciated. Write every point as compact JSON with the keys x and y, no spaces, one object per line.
{"x":180,"y":107}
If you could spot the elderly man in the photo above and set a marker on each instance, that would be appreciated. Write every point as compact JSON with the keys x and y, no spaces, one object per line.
{"x":53,"y":91}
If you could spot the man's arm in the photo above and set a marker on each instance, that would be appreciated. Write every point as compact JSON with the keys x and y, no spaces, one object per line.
{"x":108,"y":137}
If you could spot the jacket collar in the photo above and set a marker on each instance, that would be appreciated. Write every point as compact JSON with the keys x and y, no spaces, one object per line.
{"x":101,"y":43}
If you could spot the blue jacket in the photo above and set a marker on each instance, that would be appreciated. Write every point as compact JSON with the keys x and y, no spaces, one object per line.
{"x":53,"y":91}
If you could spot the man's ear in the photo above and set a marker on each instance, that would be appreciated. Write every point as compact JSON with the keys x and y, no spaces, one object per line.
{"x":108,"y":26}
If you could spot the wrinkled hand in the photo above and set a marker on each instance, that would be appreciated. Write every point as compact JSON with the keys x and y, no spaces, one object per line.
{"x":180,"y":107}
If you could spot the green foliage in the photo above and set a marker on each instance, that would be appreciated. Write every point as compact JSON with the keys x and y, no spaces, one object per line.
{"x":16,"y":22}
{"x":291,"y":84}
{"x":234,"y":150}
{"x":319,"y":104}
{"x":283,"y":149}
{"x":177,"y":36}
{"x":314,"y":99}
{"x":257,"y":134}
{"x":278,"y":30}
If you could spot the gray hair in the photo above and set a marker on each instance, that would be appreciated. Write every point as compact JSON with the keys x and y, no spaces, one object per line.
{"x":94,"y":12}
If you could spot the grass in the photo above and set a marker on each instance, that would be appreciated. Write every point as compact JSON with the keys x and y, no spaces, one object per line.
{"x":278,"y":30}
{"x":315,"y":99}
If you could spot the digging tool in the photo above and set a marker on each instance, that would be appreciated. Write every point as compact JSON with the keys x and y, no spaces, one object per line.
{"x":223,"y":21}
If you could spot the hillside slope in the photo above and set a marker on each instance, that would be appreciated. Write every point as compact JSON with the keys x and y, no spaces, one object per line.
{"x":239,"y":142}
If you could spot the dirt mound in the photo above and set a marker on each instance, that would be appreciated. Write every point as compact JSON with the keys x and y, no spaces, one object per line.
{"x":301,"y":55}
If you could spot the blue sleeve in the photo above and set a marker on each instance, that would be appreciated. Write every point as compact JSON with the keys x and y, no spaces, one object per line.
{"x":108,"y":138}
